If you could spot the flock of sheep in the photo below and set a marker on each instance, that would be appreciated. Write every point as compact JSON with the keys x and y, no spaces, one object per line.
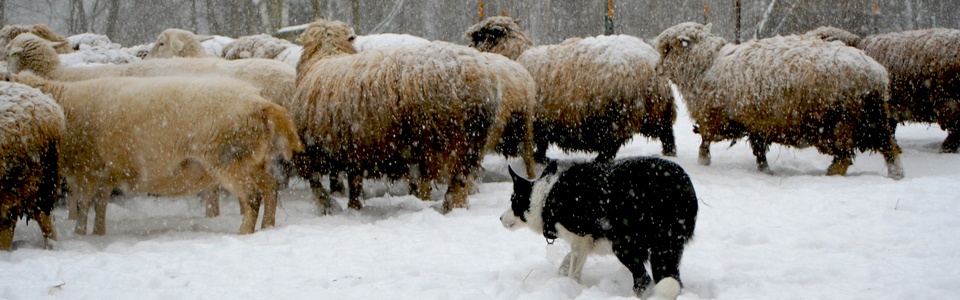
{"x":192,"y":114}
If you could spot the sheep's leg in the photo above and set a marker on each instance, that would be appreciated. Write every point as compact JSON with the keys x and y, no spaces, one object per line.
{"x":529,"y":156}
{"x":891,"y":155}
{"x":669,"y":142}
{"x":456,"y":196}
{"x":336,"y":186}
{"x":356,"y":191}
{"x":250,"y":211}
{"x":952,"y":142}
{"x":46,"y":227}
{"x":840,"y":164}
{"x":704,"y":156}
{"x":7,"y":226}
{"x":325,"y":204}
{"x":419,"y":186}
{"x":540,"y":154}
{"x":760,"y":147}
{"x":211,"y":200}
{"x":267,"y":186}
{"x":100,"y":198}
{"x":73,"y":200}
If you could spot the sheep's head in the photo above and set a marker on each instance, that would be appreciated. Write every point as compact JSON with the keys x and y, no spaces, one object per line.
{"x":9,"y":32}
{"x":686,"y":50}
{"x":175,"y":42}
{"x":492,"y":33}
{"x":324,"y":38}
{"x":830,"y":34}
{"x":28,"y":52}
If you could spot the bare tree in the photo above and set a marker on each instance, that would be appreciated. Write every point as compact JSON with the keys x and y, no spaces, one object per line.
{"x":77,"y":21}
{"x":355,"y":8}
{"x":113,"y":18}
{"x":317,"y":9}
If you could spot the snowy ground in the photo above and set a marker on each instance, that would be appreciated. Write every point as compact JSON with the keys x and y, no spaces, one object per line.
{"x":793,"y":235}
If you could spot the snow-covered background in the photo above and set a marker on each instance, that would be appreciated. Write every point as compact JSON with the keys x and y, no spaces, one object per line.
{"x":793,"y":235}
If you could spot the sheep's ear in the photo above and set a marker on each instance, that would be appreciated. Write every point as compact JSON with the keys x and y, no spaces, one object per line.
{"x":176,"y":45}
{"x":14,"y":51}
{"x":57,"y":44}
{"x":684,"y":41}
{"x":708,"y":27}
{"x":204,"y":38}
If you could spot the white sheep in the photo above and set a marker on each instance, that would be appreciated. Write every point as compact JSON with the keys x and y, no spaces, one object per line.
{"x":795,"y":91}
{"x":593,"y":94}
{"x":256,"y":46}
{"x":175,"y":42}
{"x":376,"y":41}
{"x":275,"y":79}
{"x":9,"y":32}
{"x":422,"y":113}
{"x":170,"y":136}
{"x":31,"y":127}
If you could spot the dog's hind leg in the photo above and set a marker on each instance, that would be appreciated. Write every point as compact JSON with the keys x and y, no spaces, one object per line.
{"x":665,"y":261}
{"x":633,"y":257}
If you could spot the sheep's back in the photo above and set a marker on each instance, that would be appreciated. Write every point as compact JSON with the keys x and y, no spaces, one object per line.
{"x":30,"y":124}
{"x":144,"y":127}
{"x":584,"y":77}
{"x":791,"y":80}
{"x":378,"y":101}
{"x":927,"y":60}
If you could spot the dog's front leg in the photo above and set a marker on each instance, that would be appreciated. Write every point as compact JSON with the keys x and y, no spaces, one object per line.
{"x":573,"y":263}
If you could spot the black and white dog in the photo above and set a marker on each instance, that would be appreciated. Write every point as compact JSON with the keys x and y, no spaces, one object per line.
{"x":640,"y":209}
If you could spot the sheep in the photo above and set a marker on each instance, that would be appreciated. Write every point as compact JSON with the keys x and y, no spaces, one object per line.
{"x":89,"y":39}
{"x":9,"y":32}
{"x":593,"y":94}
{"x":290,"y":56}
{"x":275,"y":79}
{"x":376,"y":41}
{"x":923,"y":69}
{"x":31,"y":126}
{"x":170,"y":136}
{"x":501,"y":35}
{"x":422,"y":113}
{"x":175,"y":42}
{"x":791,"y":90}
{"x":255,"y":46}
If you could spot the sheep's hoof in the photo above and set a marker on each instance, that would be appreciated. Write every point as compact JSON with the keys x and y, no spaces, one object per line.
{"x":355,"y":204}
{"x":703,"y":160}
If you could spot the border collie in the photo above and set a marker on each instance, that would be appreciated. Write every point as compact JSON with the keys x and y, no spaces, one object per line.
{"x":640,"y":209}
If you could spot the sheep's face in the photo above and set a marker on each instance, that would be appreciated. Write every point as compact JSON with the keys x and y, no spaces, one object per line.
{"x":830,"y":34}
{"x":325,"y":38}
{"x":30,"y":52}
{"x":172,"y":42}
{"x":485,"y":34}
{"x":686,"y":49}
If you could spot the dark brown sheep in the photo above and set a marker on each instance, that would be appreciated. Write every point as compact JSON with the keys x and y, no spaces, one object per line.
{"x":31,"y":125}
{"x":924,"y":67}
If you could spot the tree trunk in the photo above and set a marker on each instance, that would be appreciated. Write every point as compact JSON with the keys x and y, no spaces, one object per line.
{"x":355,"y":4}
{"x":78,"y":17}
{"x":265,"y":17}
{"x":3,"y":11}
{"x":317,"y":9}
{"x":113,"y":18}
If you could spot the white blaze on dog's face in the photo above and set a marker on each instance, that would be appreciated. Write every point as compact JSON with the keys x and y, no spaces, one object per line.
{"x":526,"y":203}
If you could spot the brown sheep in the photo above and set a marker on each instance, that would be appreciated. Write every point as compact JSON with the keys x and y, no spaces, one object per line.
{"x":9,"y":32}
{"x":791,"y":90}
{"x":169,"y":136}
{"x":593,"y":94}
{"x":31,"y":125}
{"x":422,"y":113}
{"x":924,"y":74}
{"x":275,"y":79}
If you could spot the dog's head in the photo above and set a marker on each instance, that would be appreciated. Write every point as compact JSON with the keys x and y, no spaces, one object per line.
{"x":526,"y":203}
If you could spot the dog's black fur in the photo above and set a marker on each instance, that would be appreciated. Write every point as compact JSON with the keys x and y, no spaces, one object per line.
{"x":645,"y":207}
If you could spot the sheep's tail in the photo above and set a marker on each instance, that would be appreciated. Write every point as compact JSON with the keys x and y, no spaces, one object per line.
{"x":280,"y":126}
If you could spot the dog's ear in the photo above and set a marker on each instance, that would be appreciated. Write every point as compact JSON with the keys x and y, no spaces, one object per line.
{"x":516,"y":178}
{"x":550,"y":170}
